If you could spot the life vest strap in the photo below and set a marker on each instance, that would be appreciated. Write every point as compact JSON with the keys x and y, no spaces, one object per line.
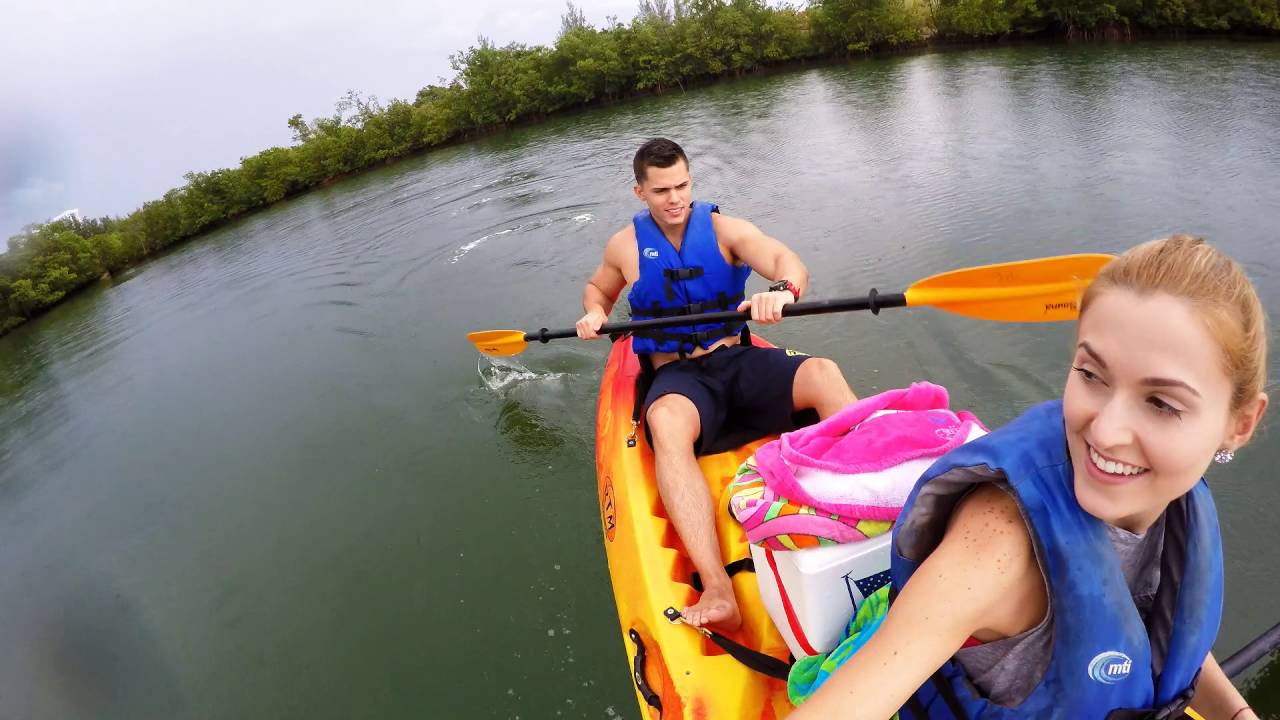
{"x":693,"y":272}
{"x":724,"y":302}
{"x":672,"y":275}
{"x":1175,"y":709}
{"x":948,"y":694}
{"x":693,"y":339}
{"x":917,"y":708}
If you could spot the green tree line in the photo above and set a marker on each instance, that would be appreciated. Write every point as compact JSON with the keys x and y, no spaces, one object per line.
{"x":668,"y":44}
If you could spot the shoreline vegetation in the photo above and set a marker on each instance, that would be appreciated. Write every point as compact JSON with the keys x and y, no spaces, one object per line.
{"x":669,"y":45}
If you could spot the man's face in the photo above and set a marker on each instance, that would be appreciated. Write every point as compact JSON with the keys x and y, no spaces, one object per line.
{"x":668,"y":192}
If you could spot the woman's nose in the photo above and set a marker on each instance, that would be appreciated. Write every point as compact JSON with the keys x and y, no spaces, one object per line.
{"x":1112,"y":426}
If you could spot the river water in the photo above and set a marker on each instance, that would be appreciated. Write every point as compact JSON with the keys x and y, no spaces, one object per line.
{"x":266,"y":476}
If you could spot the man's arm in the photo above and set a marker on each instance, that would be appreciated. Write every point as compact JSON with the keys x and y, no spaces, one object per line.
{"x":767,"y":256}
{"x":603,"y":289}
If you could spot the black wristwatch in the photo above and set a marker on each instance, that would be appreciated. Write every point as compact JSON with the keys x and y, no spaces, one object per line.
{"x":785,"y":284}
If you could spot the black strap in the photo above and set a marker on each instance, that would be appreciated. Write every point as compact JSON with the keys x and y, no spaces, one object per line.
{"x":722,"y":302}
{"x":948,"y":693}
{"x":706,"y":336}
{"x":945,"y":691}
{"x":691,"y":339}
{"x":745,"y":564}
{"x":644,"y":381}
{"x":637,"y":673}
{"x":1175,"y":709}
{"x":693,"y":272}
{"x":751,"y":659}
{"x":673,"y":275}
{"x":917,"y":708}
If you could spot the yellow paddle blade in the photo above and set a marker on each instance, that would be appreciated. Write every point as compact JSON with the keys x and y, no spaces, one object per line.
{"x":498,"y":342}
{"x":1042,"y":290}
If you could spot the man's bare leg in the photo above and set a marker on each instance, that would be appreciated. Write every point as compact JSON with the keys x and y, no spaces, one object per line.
{"x":674,"y":426}
{"x":820,"y":385}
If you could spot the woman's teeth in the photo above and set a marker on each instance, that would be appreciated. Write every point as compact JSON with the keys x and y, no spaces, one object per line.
{"x":1112,"y":467}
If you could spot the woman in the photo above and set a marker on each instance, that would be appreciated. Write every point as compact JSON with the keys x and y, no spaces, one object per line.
{"x":1069,"y":564}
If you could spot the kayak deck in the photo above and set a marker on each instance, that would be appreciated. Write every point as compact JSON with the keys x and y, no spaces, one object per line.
{"x":687,"y":674}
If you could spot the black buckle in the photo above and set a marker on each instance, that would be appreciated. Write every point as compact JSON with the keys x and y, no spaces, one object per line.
{"x":1177,"y":706}
{"x":1171,"y":710}
{"x":684,"y":273}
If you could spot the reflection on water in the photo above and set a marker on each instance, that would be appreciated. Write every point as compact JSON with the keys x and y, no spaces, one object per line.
{"x":532,"y":434}
{"x":77,"y":646}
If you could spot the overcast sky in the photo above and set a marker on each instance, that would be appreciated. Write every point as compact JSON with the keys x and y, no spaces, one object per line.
{"x":104,"y":104}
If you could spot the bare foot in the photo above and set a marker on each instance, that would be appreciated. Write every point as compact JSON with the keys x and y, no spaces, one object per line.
{"x":717,"y":606}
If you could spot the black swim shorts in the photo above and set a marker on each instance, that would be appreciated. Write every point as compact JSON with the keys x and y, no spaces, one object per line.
{"x":742,"y":393}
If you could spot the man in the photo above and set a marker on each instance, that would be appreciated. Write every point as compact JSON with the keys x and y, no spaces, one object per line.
{"x":708,"y":391}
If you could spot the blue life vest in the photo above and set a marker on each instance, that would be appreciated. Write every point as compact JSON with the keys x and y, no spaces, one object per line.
{"x":1105,"y":661}
{"x":694,"y":280}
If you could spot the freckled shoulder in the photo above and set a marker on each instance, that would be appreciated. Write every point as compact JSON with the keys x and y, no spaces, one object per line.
{"x":989,"y":505}
{"x":989,"y":544}
{"x":988,"y":521}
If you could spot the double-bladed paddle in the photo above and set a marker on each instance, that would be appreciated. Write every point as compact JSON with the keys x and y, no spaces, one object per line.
{"x":1041,"y":290}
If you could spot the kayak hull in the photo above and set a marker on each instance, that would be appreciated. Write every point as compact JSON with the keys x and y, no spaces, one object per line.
{"x":672,"y":664}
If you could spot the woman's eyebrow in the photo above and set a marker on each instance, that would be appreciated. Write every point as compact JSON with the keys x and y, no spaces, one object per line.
{"x":1169,"y":382}
{"x":1153,"y":381}
{"x":1096,"y":358}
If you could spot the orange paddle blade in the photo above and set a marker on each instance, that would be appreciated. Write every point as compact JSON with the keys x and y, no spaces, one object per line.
{"x":1042,"y":290}
{"x":499,"y":342}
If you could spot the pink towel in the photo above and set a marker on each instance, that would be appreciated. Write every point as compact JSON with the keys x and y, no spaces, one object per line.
{"x":812,"y":466}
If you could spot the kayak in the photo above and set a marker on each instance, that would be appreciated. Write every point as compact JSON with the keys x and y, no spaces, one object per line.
{"x":677,"y":672}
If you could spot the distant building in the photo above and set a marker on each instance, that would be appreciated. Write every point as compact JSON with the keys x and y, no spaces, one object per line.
{"x":73,"y":214}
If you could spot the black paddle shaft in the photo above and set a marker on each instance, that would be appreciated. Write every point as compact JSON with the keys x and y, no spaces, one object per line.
{"x":873,"y":302}
{"x":1253,"y":652}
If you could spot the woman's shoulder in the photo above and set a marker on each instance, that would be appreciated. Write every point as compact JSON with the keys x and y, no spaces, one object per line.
{"x":990,"y":506}
{"x":989,"y":547}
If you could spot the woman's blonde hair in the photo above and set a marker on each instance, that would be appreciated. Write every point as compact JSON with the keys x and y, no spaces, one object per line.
{"x":1188,"y":268}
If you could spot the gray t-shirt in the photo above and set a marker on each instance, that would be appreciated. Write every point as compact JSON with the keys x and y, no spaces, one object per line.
{"x":1007,"y":670}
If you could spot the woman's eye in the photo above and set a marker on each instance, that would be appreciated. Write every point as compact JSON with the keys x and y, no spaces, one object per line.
{"x":1164,"y":407}
{"x":1086,"y":374}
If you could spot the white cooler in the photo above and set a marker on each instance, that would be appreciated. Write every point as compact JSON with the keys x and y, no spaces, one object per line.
{"x":812,"y":594}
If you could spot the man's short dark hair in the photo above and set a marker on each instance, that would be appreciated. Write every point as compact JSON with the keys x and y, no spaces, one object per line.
{"x":659,"y":153}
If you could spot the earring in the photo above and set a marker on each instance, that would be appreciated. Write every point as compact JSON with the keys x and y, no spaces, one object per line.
{"x":1224,"y":456}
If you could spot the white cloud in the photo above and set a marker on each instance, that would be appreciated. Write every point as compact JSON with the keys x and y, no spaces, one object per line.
{"x":131,"y":94}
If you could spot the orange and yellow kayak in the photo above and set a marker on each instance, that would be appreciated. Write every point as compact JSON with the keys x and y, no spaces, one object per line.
{"x":677,"y":672}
